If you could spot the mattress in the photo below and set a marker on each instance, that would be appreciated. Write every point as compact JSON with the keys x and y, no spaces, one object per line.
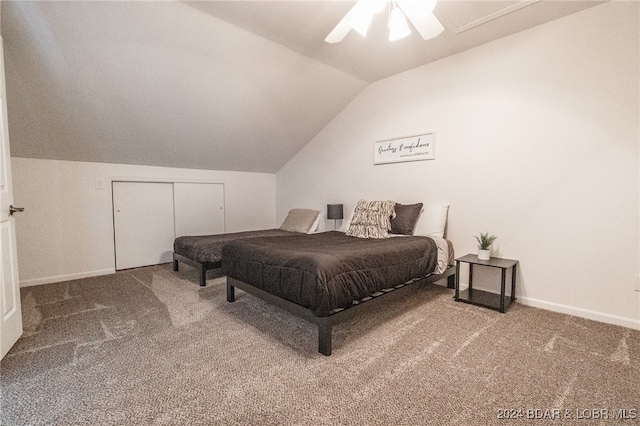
{"x":208,"y":248}
{"x":329,"y":270}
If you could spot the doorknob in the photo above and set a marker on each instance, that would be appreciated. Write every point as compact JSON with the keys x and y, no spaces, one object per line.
{"x":13,"y":210}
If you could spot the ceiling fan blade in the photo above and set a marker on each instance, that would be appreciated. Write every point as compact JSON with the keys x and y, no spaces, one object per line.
{"x":423,"y":20}
{"x":428,"y":27}
{"x":339,"y":32}
{"x":342,"y":29}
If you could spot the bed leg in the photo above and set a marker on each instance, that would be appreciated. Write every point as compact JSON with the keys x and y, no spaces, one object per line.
{"x":175,"y":263}
{"x":324,"y":338}
{"x":231,"y":293}
{"x":451,"y":281}
{"x":203,"y":276}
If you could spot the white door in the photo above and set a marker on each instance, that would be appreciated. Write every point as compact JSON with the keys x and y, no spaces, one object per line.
{"x":10,"y":310}
{"x":143,"y":223}
{"x":199,"y":208}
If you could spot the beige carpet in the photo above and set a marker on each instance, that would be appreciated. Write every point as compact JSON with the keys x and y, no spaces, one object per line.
{"x":148,"y":346}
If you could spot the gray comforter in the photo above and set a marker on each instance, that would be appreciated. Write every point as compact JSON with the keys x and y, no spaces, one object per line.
{"x":208,"y":248}
{"x":329,"y":270}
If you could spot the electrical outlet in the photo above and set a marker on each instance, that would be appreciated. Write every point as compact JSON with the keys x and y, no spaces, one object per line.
{"x":99,"y":183}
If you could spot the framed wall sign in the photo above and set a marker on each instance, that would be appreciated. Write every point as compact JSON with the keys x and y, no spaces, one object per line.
{"x":406,"y":148}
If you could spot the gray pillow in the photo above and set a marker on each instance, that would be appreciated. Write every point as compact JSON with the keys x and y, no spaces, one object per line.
{"x":299,"y":220}
{"x":406,"y":218}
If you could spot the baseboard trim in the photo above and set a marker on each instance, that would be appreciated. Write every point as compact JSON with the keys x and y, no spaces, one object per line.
{"x":69,"y":277}
{"x":582,"y":313}
{"x":570,"y":310}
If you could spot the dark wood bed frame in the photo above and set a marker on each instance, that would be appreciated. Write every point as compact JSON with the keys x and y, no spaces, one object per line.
{"x":325,"y":324}
{"x":201,"y":267}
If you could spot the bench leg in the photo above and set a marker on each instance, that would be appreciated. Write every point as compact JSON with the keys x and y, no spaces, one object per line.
{"x":231,"y":293}
{"x":175,"y":264}
{"x":324,"y":338}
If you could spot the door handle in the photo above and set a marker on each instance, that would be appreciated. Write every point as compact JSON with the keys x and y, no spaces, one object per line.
{"x":13,"y":210}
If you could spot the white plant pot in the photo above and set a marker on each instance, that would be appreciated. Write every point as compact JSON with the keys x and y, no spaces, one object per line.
{"x":484,"y":254}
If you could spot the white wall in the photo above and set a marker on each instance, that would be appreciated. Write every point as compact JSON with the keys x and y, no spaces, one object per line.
{"x":536,"y":142}
{"x":66,"y":230}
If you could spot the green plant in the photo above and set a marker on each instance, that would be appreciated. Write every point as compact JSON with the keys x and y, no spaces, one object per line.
{"x":485,"y":240}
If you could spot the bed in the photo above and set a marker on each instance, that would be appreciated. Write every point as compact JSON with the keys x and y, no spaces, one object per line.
{"x":329,"y":277}
{"x":204,"y":252}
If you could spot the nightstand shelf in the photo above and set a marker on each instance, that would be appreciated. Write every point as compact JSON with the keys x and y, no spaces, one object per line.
{"x":498,"y":302}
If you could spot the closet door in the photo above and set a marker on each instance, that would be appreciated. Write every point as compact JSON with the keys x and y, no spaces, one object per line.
{"x":199,"y":208}
{"x":143,"y":223}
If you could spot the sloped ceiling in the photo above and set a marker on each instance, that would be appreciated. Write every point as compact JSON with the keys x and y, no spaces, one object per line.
{"x":221,"y":85}
{"x":159,"y":83}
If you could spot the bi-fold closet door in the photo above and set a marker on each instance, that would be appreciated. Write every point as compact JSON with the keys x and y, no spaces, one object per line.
{"x":148,"y":216}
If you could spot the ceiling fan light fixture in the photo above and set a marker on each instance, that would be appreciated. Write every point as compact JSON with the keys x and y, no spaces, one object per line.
{"x":398,"y":26}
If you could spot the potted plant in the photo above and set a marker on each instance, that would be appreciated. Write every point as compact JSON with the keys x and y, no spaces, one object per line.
{"x":484,"y":245}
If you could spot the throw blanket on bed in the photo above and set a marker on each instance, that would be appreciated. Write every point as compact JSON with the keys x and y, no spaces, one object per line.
{"x":329,"y":270}
{"x":372,"y":219}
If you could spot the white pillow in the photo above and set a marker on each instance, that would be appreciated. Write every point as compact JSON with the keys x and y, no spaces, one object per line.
{"x":314,"y":227}
{"x":432,"y":221}
{"x":300,"y":220}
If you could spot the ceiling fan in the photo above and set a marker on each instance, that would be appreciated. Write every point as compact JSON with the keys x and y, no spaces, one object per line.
{"x":419,"y":13}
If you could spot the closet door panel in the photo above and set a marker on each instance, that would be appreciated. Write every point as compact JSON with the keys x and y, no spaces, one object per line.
{"x":143,"y":223}
{"x":199,"y":208}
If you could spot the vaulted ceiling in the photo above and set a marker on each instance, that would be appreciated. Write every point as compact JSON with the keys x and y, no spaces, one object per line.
{"x":303,"y":25}
{"x":221,"y":85}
